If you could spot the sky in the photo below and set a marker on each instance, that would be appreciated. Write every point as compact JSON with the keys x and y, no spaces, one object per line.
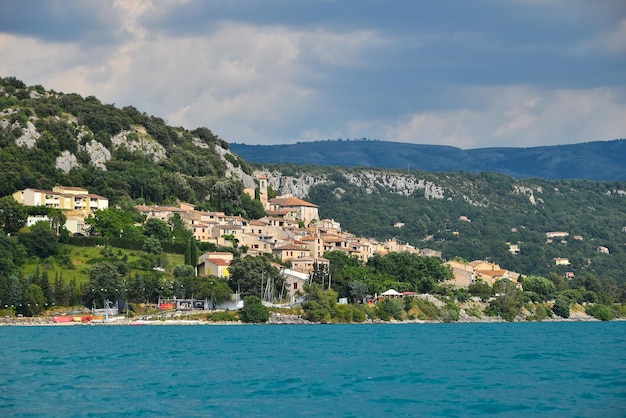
{"x":470,"y":74}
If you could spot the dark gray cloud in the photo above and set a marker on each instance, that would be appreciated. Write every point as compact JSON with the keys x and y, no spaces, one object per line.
{"x":465,"y":73}
{"x":61,"y":21}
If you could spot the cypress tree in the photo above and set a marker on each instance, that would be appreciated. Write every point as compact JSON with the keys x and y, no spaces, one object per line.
{"x":188,"y":252}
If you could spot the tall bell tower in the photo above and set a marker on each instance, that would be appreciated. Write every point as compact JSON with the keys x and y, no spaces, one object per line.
{"x":263,"y":189}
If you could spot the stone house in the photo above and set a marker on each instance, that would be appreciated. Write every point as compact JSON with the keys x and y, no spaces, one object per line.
{"x":560,"y":261}
{"x":291,"y":251}
{"x":214,"y":264}
{"x":296,"y":209}
{"x":307,"y":264}
{"x":295,"y":281}
{"x":464,"y":274}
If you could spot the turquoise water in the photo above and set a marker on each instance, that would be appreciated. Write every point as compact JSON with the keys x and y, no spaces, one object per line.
{"x":507,"y":369}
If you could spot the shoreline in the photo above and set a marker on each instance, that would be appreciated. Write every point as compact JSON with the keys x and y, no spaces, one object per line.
{"x":275,"y":319}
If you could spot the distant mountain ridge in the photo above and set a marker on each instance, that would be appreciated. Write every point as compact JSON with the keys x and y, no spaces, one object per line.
{"x":598,"y":160}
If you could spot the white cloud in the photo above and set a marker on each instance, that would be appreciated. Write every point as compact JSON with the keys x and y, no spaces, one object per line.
{"x":520,"y":116}
{"x":272,"y":84}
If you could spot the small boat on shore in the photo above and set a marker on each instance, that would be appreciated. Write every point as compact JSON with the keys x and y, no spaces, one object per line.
{"x":62,"y":319}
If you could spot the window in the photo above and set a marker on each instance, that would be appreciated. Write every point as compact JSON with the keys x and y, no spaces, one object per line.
{"x":295,"y":285}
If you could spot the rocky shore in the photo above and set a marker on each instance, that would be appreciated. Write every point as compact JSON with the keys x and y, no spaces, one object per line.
{"x":276,"y":318}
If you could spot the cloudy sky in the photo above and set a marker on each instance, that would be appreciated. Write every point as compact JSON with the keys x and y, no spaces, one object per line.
{"x":470,"y":74}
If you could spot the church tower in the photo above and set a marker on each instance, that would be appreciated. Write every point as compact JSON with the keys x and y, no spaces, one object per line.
{"x":263,"y":189}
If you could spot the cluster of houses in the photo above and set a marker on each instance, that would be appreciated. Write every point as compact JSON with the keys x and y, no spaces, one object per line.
{"x":561,"y":237}
{"x":77,"y":204}
{"x":290,"y":231}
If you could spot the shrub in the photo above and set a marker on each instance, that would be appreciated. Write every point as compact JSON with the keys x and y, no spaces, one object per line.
{"x":394,"y":307}
{"x":462,"y":295}
{"x":254,"y":311}
{"x":343,"y":313}
{"x":480,"y":289}
{"x":600,"y":311}
{"x":543,"y":288}
{"x":574,"y":295}
{"x":540,"y":314}
{"x":408,"y":303}
{"x":450,"y":312}
{"x":561,"y":307}
{"x":316,"y":312}
{"x":358,"y":314}
{"x":507,"y":308}
{"x":382,"y":313}
{"x":473,"y":311}
{"x":428,"y":310}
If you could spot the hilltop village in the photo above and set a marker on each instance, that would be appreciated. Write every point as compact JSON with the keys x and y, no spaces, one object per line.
{"x":292,"y":234}
{"x":291,"y":231}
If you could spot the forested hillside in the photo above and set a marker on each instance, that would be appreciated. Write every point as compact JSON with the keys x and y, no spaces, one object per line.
{"x":475,"y":215}
{"x":600,"y":160}
{"x":49,"y":138}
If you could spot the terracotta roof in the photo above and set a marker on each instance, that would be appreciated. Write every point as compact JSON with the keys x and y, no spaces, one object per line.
{"x":72,"y":188}
{"x":333,"y":239}
{"x":492,"y":273}
{"x":291,"y":201}
{"x":278,"y":212}
{"x":218,"y":262}
{"x":293,"y":247}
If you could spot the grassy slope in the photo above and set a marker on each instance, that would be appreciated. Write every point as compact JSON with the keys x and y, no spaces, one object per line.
{"x":84,"y":257}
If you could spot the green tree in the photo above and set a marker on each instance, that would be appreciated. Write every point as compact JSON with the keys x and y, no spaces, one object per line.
{"x":34,"y":300}
{"x":152,"y":245}
{"x":508,"y":302}
{"x":251,"y":208}
{"x":559,"y":281}
{"x":12,"y":254}
{"x":58,"y":220}
{"x":215,"y":289}
{"x":561,"y":307}
{"x":393,"y":307}
{"x":358,"y":290}
{"x":183,"y":270}
{"x":480,"y":289}
{"x":112,"y":222}
{"x":226,"y":195}
{"x":254,"y":311}
{"x":105,"y":283}
{"x":40,"y":240}
{"x":59,"y":290}
{"x":600,"y":311}
{"x":12,"y":215}
{"x":422,"y":273}
{"x":320,"y":304}
{"x":15,"y":291}
{"x":540,"y":285}
{"x":157,"y":228}
{"x":43,"y":282}
{"x":250,"y":275}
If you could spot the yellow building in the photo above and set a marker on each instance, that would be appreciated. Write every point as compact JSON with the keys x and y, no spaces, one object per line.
{"x":63,"y":197}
